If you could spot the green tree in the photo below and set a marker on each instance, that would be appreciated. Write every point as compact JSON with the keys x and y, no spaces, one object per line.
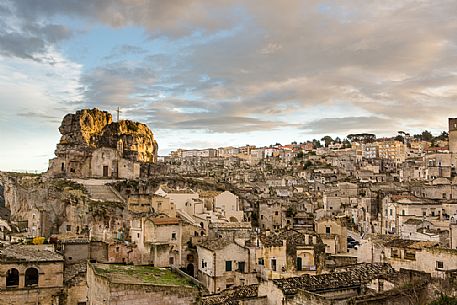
{"x":316,"y":143}
{"x":327,"y":140}
{"x":346,"y":143}
{"x":424,"y":136}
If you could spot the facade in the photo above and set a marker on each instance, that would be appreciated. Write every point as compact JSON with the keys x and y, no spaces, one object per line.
{"x":453,"y":135}
{"x":225,"y":263}
{"x":333,"y":233}
{"x":31,"y":274}
{"x":229,"y":204}
{"x":392,"y":150}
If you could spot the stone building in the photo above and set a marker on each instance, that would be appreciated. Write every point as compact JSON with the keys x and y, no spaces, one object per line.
{"x":229,"y":204}
{"x":333,"y":233}
{"x":126,"y":285}
{"x":453,"y":135}
{"x":31,"y":275}
{"x":323,"y":288}
{"x":162,"y":240}
{"x":425,"y":256}
{"x":289,"y":253}
{"x":223,"y":263}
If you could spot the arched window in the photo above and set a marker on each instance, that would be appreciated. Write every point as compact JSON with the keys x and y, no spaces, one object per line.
{"x":12,"y":277}
{"x":31,"y":277}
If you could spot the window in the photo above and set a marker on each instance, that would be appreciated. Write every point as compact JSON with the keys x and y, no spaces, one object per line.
{"x":68,"y":228}
{"x":273,"y":264}
{"x":276,"y":213}
{"x":138,"y":235}
{"x":228,"y":265}
{"x":203,"y":264}
{"x":410,"y":255}
{"x":390,"y":212}
{"x":327,"y":230}
{"x":241,"y":266}
{"x":394,"y":252}
{"x":403,"y":212}
{"x":171,"y":260}
{"x":12,"y":277}
{"x":173,"y":236}
{"x":439,"y":265}
{"x":261,"y":261}
{"x":31,"y":277}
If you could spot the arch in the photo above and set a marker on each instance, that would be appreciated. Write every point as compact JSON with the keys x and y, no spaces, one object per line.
{"x":190,"y":269}
{"x":233,"y":219}
{"x":31,"y":277}
{"x":12,"y":277}
{"x":195,"y":233}
{"x":202,"y":225}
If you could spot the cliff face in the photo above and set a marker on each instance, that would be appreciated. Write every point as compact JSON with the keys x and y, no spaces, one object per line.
{"x":89,"y":129}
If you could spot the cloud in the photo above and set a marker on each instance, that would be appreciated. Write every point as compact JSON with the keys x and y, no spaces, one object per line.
{"x":240,"y":66}
{"x":347,"y":125}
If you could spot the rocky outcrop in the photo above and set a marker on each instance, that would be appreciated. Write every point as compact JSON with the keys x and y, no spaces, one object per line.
{"x":82,"y":127}
{"x":137,"y":140}
{"x":89,"y":129}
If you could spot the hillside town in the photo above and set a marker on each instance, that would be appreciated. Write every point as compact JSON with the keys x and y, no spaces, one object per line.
{"x":351,"y":220}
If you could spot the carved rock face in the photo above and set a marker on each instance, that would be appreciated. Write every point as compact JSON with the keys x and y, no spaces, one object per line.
{"x":89,"y":129}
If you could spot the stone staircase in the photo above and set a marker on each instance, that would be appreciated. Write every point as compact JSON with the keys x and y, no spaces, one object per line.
{"x":103,"y":193}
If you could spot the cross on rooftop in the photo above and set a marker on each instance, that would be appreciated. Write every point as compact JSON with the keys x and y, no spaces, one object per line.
{"x":118,"y":113}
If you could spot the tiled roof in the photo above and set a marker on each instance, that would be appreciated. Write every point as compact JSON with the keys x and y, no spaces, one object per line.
{"x":28,"y":254}
{"x":231,"y":296}
{"x":354,"y":277}
{"x":216,"y":244}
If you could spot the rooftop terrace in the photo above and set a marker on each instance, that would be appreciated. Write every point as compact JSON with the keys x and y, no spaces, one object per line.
{"x":129,"y":274}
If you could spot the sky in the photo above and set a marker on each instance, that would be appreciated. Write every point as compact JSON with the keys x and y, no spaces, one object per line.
{"x":224,"y":72}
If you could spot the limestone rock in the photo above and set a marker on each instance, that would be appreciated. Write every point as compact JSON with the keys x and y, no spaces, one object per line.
{"x":89,"y":129}
{"x":80,"y":128}
{"x":137,"y":140}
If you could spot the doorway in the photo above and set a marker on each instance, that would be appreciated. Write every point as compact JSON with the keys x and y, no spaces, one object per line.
{"x":105,"y":171}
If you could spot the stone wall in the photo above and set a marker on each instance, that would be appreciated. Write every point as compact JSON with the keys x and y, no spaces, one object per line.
{"x":102,"y":291}
{"x":99,"y":251}
{"x":33,"y":296}
{"x":50,"y":273}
